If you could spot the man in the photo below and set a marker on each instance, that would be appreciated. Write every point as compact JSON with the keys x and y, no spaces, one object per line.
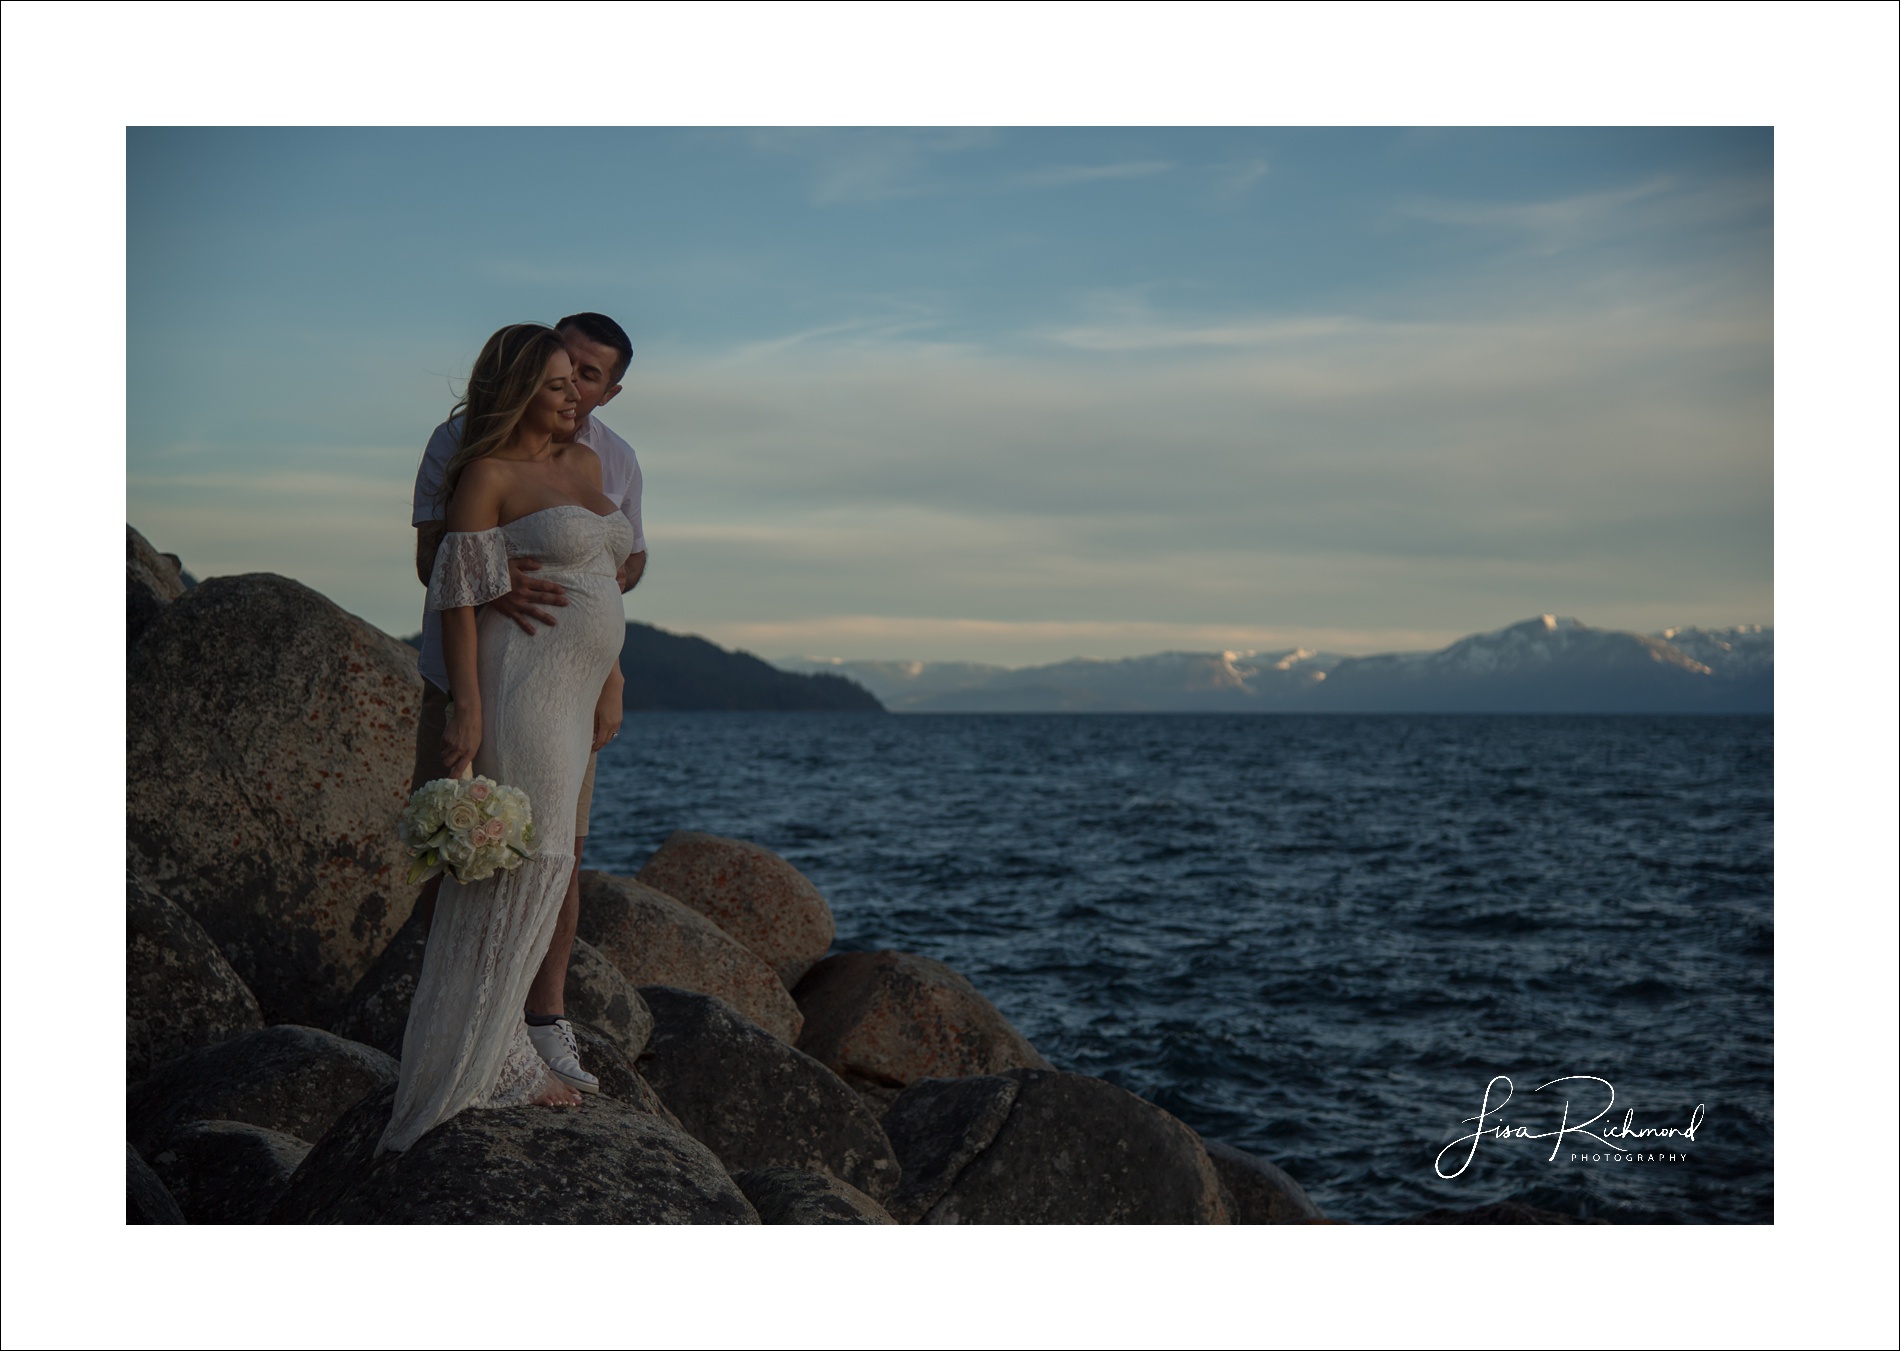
{"x":600,"y":351}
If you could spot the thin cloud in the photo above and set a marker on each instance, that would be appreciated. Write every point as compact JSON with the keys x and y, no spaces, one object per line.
{"x":871,"y":165}
{"x":1560,"y":223}
{"x":1236,"y":179}
{"x":1067,"y":175}
{"x":1558,"y":216}
{"x":1473,"y":453}
{"x":859,"y":330}
{"x":1154,"y":334}
{"x":855,"y":166}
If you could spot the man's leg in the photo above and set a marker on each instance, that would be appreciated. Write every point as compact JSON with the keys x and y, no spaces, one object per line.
{"x":547,"y":1009}
{"x":546,"y":997}
{"x":435,"y":716}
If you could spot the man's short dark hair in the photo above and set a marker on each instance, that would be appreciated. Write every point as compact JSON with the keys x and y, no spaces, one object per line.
{"x":599,"y":328}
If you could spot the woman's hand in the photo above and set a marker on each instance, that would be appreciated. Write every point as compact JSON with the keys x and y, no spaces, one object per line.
{"x":608,"y":711}
{"x":461,"y":736}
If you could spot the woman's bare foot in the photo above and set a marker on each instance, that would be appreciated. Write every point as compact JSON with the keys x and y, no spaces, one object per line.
{"x":557,"y":1094}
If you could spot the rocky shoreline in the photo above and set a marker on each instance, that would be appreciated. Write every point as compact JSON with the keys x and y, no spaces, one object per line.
{"x":749,"y":1074}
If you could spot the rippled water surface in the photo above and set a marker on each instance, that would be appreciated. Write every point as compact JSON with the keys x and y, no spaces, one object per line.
{"x":1314,"y":938}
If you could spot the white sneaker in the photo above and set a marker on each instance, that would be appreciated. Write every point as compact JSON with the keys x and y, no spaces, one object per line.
{"x":557,"y":1047}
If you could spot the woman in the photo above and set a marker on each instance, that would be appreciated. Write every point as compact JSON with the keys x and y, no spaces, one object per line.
{"x":523,"y":713}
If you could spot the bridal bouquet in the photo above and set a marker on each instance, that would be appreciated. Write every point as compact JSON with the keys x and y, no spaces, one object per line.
{"x":468,"y":828}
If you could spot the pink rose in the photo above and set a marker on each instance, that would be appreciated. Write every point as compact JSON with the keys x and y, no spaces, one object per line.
{"x":495,"y":828}
{"x":478,"y":791}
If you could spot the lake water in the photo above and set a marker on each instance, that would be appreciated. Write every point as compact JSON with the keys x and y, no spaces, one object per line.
{"x":1316,"y":938}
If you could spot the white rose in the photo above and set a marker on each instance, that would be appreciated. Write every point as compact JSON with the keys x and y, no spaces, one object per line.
{"x":463,"y":817}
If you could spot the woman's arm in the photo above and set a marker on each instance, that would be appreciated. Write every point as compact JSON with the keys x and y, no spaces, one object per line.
{"x":462,"y":733}
{"x":609,"y":709}
{"x":475,"y":507}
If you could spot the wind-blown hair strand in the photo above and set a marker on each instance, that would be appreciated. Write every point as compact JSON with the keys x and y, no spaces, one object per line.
{"x":506,"y":377}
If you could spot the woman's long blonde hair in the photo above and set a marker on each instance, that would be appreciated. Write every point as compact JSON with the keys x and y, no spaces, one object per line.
{"x":506,"y":377}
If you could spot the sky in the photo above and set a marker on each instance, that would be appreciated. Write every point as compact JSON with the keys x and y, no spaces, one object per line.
{"x":998,"y":395}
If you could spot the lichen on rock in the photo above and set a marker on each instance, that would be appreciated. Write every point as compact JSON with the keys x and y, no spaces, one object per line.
{"x":886,"y":1020}
{"x":603,"y":1162}
{"x":268,"y":753}
{"x":1071,"y":1149}
{"x":750,"y":893}
{"x":756,"y":1102}
{"x":226,"y":1172}
{"x":293,"y":1080}
{"x":800,"y":1196}
{"x":652,"y":939}
{"x":181,"y":995}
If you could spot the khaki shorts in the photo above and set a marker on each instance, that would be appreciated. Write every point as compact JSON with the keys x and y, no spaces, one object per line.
{"x":429,"y":728}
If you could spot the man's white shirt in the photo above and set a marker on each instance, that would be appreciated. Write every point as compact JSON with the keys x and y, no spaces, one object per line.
{"x":620,"y":479}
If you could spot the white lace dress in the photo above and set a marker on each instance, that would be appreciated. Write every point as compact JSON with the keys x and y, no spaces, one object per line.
{"x":466,"y":1044}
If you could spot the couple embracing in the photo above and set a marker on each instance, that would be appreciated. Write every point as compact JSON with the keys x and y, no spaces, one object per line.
{"x":525,"y":504}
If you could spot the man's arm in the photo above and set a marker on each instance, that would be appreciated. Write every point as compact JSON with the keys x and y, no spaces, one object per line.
{"x":428,"y":539}
{"x":631,"y":492}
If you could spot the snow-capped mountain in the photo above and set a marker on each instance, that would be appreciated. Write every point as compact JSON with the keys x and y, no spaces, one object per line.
{"x":1547,"y":664}
{"x":1738,"y":653}
{"x":1172,"y":682}
{"x":1543,"y":665}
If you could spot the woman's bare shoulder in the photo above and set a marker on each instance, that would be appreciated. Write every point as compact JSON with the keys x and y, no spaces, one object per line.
{"x":476,"y":504}
{"x":489,"y":471}
{"x":581,"y":458}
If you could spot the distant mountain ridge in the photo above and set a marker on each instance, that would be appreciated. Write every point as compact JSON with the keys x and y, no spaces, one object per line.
{"x":1548,"y":664}
{"x":678,"y":672}
{"x":681,"y":672}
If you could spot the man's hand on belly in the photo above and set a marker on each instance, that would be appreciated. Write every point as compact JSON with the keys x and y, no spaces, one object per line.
{"x":527,"y":593}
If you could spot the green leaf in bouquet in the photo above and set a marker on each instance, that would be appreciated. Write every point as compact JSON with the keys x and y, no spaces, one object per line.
{"x":425,"y":867}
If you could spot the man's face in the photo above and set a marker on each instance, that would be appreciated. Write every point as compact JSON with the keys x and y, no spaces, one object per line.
{"x":593,"y":370}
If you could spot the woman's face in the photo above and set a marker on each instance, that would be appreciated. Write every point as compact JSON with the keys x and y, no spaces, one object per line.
{"x":551,"y":411}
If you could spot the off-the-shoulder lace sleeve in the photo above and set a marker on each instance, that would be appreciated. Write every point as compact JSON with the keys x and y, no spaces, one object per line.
{"x":471,"y":568}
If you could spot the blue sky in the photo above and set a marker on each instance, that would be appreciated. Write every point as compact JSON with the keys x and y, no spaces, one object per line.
{"x":1002,"y":395}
